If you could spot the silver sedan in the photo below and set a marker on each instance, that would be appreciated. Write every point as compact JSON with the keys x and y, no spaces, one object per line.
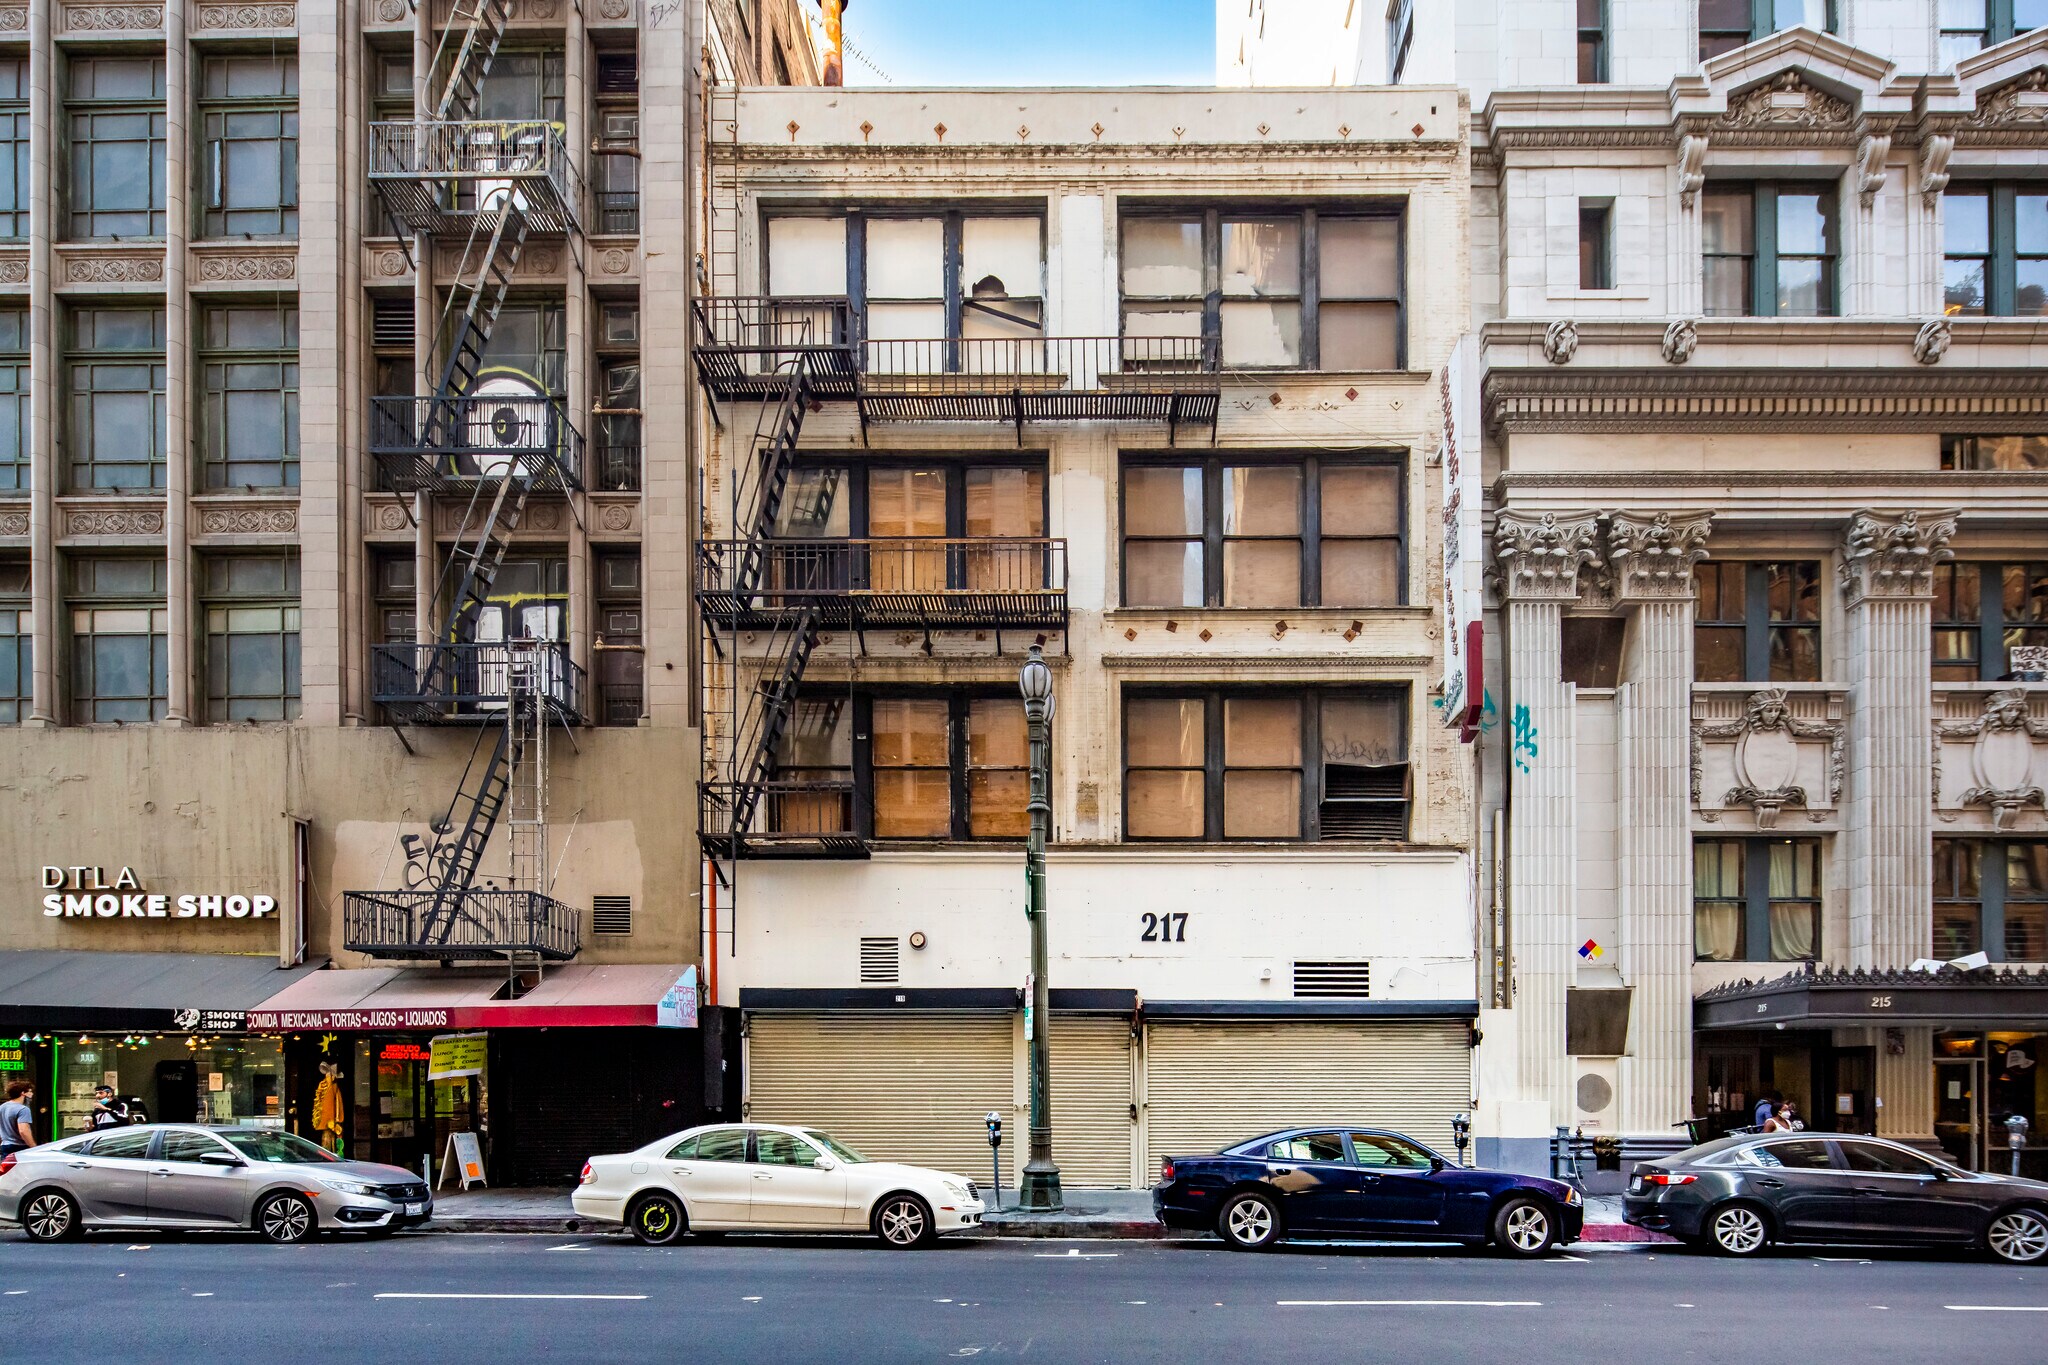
{"x":169,"y":1175}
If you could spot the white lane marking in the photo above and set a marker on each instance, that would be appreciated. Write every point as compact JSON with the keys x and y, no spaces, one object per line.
{"x":12,"y":1292}
{"x":1135,"y":1303}
{"x":139,"y":1246}
{"x":1075,"y":1253}
{"x":1841,"y":1260}
{"x":750,"y":1298}
{"x":609,"y":1298}
{"x":570,"y":1246}
{"x":1406,"y":1303}
{"x":1681,"y":1305}
{"x":941,"y":1300}
{"x":206,"y":1295}
{"x":1576,"y":1260}
{"x":1995,"y":1308}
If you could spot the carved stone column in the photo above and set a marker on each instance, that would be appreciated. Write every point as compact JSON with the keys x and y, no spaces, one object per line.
{"x":1887,"y":577}
{"x":1653,"y":559}
{"x":43,"y":375}
{"x":179,"y":459}
{"x":1540,"y":559}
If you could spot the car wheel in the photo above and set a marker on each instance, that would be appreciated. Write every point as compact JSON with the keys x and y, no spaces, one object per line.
{"x":657,"y":1219}
{"x":287,"y":1219}
{"x":904,"y":1221}
{"x":50,"y":1216}
{"x":1524,"y":1227}
{"x":1738,"y":1230}
{"x":2019,"y":1236}
{"x":1249,"y":1222}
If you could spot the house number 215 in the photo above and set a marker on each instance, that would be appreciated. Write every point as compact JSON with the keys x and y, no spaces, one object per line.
{"x":1171,"y":927}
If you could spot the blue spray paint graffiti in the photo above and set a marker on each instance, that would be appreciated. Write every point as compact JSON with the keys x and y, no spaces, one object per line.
{"x":1525,"y":736}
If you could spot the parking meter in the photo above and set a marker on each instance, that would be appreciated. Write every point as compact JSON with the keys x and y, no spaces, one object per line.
{"x":1461,"y":1134}
{"x":995,"y":1142}
{"x":2016,"y":1138}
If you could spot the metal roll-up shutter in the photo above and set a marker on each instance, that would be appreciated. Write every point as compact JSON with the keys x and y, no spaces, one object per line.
{"x":1209,"y":1085}
{"x":1091,"y":1102}
{"x":893,"y":1089}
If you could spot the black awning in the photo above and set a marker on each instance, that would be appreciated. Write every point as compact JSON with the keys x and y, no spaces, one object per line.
{"x":48,"y":989}
{"x":1950,"y":998}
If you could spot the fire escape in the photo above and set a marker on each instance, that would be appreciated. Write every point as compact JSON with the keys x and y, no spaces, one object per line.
{"x":483,"y":187}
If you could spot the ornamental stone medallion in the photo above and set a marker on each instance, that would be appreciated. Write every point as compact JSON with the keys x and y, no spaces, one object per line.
{"x":2003,"y":755}
{"x":1769,"y":756}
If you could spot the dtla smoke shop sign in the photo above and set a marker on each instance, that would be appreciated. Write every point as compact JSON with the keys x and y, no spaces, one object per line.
{"x":87,"y":893}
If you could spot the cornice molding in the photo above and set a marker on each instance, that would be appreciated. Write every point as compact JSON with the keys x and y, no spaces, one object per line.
{"x":1765,"y":400}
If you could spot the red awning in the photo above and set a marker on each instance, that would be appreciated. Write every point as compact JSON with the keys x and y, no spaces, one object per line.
{"x":623,"y":996}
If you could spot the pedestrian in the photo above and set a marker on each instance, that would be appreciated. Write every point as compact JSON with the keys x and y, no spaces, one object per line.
{"x":1786,"y":1120}
{"x":1766,"y":1107}
{"x":107,"y":1110}
{"x":17,"y":1120}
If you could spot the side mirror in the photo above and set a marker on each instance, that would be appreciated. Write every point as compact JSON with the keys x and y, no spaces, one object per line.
{"x":1437,"y":1163}
{"x":219,"y":1159}
{"x":825,"y":1163}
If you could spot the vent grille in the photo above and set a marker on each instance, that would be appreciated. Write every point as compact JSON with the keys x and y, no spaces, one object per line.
{"x":1332,"y":980}
{"x":391,"y":324}
{"x":879,"y":960}
{"x":618,"y":73}
{"x":1365,"y":803}
{"x":611,"y":914}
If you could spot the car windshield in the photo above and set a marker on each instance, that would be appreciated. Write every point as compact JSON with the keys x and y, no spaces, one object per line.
{"x":260,"y":1145}
{"x":834,"y":1146}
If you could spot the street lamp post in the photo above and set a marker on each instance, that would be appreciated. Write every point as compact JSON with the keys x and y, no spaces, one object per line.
{"x":1040,"y":1192}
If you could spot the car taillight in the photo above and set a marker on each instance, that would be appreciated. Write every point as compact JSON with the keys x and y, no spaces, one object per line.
{"x":6,"y":1163}
{"x":589,"y":1176}
{"x":1667,"y":1178}
{"x":1165,"y":1170}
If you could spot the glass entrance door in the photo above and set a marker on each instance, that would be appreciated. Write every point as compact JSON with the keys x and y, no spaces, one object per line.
{"x":1958,"y":1110}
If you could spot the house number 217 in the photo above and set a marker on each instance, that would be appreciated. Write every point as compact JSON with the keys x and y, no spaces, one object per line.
{"x":1171,"y":927}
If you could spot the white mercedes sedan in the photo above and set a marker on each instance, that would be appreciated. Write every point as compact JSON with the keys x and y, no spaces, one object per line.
{"x":759,"y":1177}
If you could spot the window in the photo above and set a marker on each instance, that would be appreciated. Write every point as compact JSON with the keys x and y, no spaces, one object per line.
{"x":1386,"y":1152}
{"x":1596,"y":244}
{"x":120,"y":668}
{"x":1242,"y":531}
{"x":1995,"y":251}
{"x":524,"y":85}
{"x":1994,"y":452}
{"x":1981,"y":613}
{"x":249,"y":404}
{"x":1400,"y":37}
{"x":1308,"y":1147}
{"x":1804,"y":1154}
{"x":621,"y":658}
{"x":1991,"y":896}
{"x":186,"y":1145}
{"x":249,"y":118}
{"x":17,"y":644}
{"x":252,"y":638}
{"x":115,"y":437}
{"x":115,"y":123}
{"x":1321,"y":765}
{"x":1970,"y":25}
{"x":1592,"y":42}
{"x":947,"y":765}
{"x":1316,"y":290}
{"x":618,"y":403}
{"x":720,"y":1144}
{"x":396,"y":606}
{"x":14,"y":149}
{"x":1756,"y":900}
{"x":14,"y":401}
{"x":910,"y":518}
{"x":124,"y":1146}
{"x":617,"y":153}
{"x":1880,"y":1160}
{"x":1769,"y":250}
{"x":528,"y":342}
{"x":1728,"y":24}
{"x":782,"y":1149}
{"x":1757,"y":622}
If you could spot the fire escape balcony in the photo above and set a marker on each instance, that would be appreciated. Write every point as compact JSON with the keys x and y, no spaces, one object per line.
{"x":435,"y":177}
{"x":983,"y":583}
{"x":469,"y":684}
{"x":466,"y":926}
{"x":434,"y":444}
{"x":795,"y":817}
{"x":747,"y":346}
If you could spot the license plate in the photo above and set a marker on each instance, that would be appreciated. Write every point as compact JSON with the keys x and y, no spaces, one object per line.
{"x":414,"y":1210}
{"x":1636,"y":1186}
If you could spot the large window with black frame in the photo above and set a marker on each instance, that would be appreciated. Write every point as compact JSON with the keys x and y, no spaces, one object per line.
{"x":249,"y":122}
{"x":620,"y":647}
{"x":1757,"y":622}
{"x":617,"y":413}
{"x":1267,"y":287}
{"x":249,"y":396}
{"x":114,"y":125}
{"x":17,"y":642}
{"x":252,"y":637}
{"x":14,"y":401}
{"x":120,"y":663}
{"x":1991,"y":897}
{"x":115,"y":414}
{"x":1266,"y":764}
{"x":1245,"y":530}
{"x":1756,"y":900}
{"x":1995,"y":249}
{"x":14,"y":149}
{"x":1982,"y":613}
{"x":926,"y":764}
{"x":615,"y":165}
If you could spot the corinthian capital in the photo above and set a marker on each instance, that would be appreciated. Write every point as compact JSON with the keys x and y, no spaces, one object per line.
{"x":1540,"y":557}
{"x":1652,"y":557}
{"x":1894,"y":556}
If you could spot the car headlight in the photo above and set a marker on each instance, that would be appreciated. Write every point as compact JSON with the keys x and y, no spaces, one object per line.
{"x":1574,"y":1197}
{"x":956,"y":1190}
{"x":340,"y":1186}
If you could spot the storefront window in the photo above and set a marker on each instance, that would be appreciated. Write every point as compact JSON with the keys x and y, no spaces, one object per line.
{"x":402,"y":1115}
{"x":170,"y":1078}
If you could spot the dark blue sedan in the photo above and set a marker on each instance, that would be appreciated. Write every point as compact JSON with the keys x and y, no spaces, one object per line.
{"x":1360,"y":1183}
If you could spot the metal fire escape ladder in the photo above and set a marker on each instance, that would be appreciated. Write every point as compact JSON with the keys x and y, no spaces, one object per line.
{"x":475,"y":28}
{"x":489,"y":260}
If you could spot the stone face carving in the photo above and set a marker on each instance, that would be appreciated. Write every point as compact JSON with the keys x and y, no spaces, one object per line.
{"x":1786,"y":101}
{"x":2020,"y":101}
{"x":1561,"y":341}
{"x":248,"y":521}
{"x":1692,"y":168}
{"x":1540,"y":558}
{"x":1932,"y":341}
{"x":1871,"y":154}
{"x":88,"y":521}
{"x":1935,"y":150}
{"x":1653,"y":557}
{"x":1681,"y":339}
{"x":1887,"y":556}
{"x":2001,"y":756}
{"x":1766,"y":755}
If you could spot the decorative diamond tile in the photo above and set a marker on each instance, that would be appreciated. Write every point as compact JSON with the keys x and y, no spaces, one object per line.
{"x":866,"y":130}
{"x":1205,"y":637}
{"x":1351,"y":394}
{"x":1097,"y":130}
{"x":940,"y":129}
{"x":793,"y":126}
{"x":1130,"y":634}
{"x":1417,"y":130}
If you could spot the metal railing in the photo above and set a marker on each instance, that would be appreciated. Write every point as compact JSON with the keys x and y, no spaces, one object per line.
{"x":471,"y":924}
{"x":619,"y":703}
{"x":458,"y":169}
{"x":803,"y":810}
{"x":618,"y":454}
{"x":424,"y":441}
{"x":1036,"y":364}
{"x":470,"y":683}
{"x":976,"y":579}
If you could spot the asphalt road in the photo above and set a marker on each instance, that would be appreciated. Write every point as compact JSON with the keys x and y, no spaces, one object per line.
{"x":522,"y":1298}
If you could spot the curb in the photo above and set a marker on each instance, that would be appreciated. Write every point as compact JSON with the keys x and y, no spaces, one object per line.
{"x":1103,"y":1229}
{"x":1086,"y":1229}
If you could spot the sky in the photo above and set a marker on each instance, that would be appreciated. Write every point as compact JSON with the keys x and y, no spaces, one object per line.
{"x":1031,"y":42}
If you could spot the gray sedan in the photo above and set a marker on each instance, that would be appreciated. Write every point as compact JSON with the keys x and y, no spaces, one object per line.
{"x":168,"y":1175}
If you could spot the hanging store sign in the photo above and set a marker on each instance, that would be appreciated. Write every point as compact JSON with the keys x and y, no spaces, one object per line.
{"x":1464,"y":555}
{"x":210,"y":1021}
{"x":456,"y":1054}
{"x":88,"y":893}
{"x":677,"y":1008}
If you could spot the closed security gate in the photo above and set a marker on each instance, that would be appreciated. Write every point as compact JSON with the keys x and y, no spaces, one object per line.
{"x":1212,"y":1085}
{"x":1091,"y":1103}
{"x":893,"y":1089}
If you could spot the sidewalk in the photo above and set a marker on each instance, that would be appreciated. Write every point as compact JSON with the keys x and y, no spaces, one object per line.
{"x":1089,"y":1214}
